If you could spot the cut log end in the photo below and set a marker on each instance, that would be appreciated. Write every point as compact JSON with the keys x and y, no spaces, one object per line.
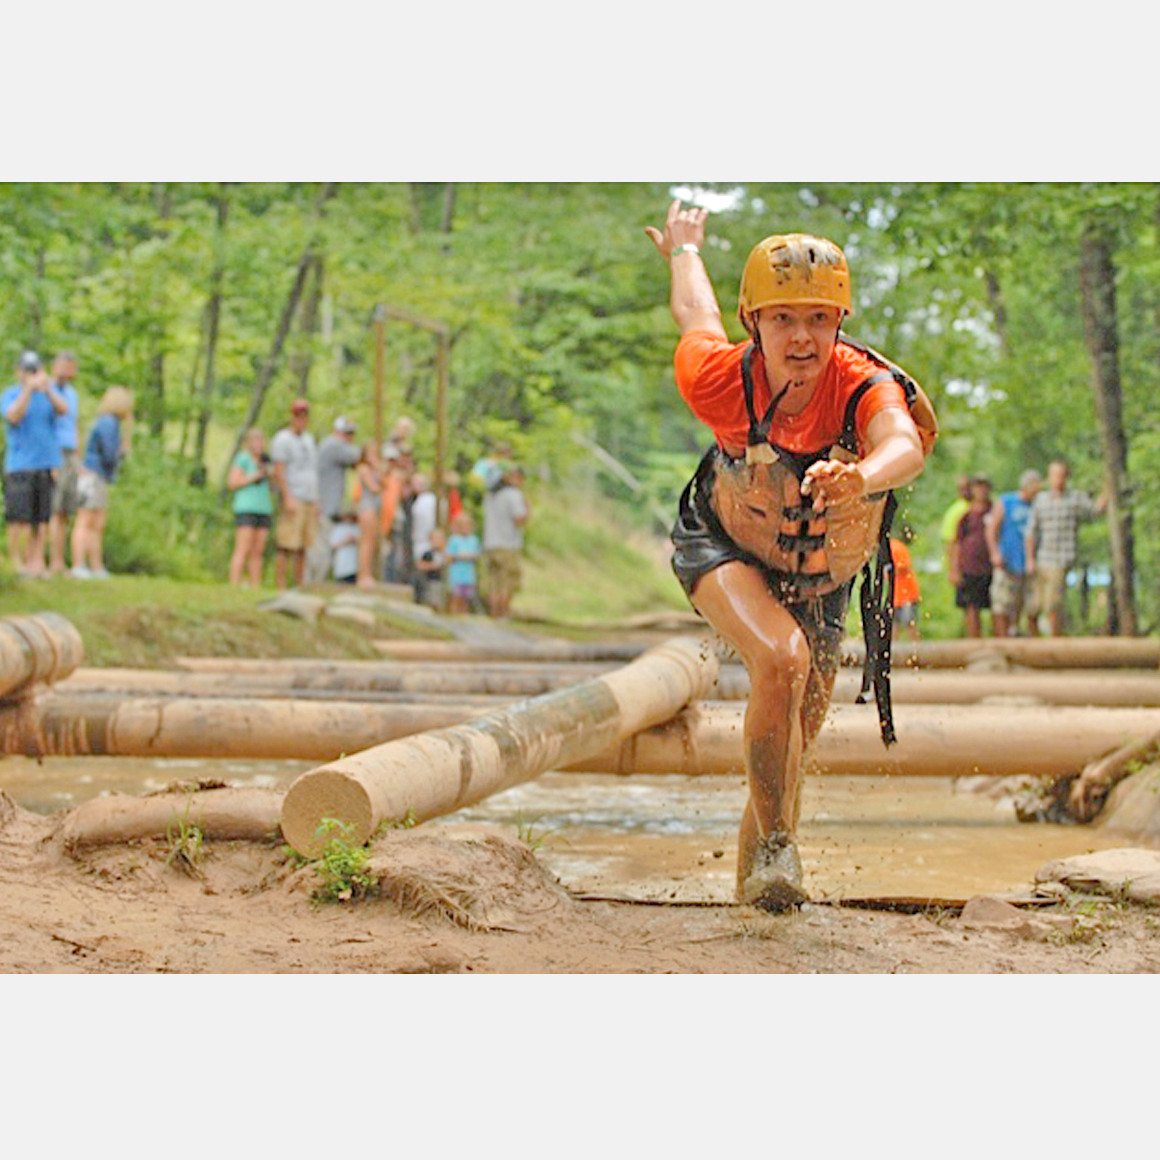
{"x":317,"y":796}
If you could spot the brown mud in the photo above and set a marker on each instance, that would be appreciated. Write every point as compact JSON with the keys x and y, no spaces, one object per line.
{"x":471,"y":897}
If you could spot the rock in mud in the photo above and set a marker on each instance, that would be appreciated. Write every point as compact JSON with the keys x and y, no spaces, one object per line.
{"x":986,"y":912}
{"x":1130,"y":873}
{"x":299,"y":604}
{"x":1133,"y":807}
{"x":348,"y":612}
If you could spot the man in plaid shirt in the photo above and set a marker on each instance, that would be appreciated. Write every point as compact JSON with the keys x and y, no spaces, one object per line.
{"x":1052,"y":536}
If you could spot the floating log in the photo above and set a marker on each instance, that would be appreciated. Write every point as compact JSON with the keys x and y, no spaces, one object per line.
{"x":1038,"y":653}
{"x":37,"y":649}
{"x":495,"y":678}
{"x":443,"y":771}
{"x":69,"y":726}
{"x":228,"y":814}
{"x":378,"y":680}
{"x":1048,"y":687}
{"x":1075,"y":652}
{"x":933,"y":741}
{"x":545,"y":650}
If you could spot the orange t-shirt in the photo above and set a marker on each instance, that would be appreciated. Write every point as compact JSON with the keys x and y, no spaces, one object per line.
{"x":905,"y":581}
{"x":708,"y":373}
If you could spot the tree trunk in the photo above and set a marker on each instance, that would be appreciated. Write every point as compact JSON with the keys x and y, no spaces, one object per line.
{"x":194,"y":379}
{"x":270,"y":367}
{"x":447,"y":222}
{"x":1098,"y":290}
{"x":213,"y":318}
{"x":415,"y":205}
{"x":303,"y":359}
{"x":36,"y":303}
{"x":998,"y":308}
{"x":163,"y":204}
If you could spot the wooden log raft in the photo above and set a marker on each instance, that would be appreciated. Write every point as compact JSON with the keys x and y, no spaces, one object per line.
{"x":38,"y":649}
{"x":375,"y":680}
{"x":1097,"y":652}
{"x":1091,"y":652}
{"x":72,"y":726}
{"x":253,"y":678}
{"x":440,"y":772}
{"x":933,"y":741}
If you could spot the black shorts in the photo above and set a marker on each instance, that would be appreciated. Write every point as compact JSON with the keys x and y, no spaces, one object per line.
{"x":701,"y":544}
{"x":28,"y":497}
{"x":974,"y":592}
{"x":252,"y":520}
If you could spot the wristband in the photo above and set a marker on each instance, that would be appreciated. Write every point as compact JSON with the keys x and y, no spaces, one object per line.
{"x":687,"y":248}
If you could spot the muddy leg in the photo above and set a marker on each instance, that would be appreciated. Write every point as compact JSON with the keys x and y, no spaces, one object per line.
{"x":815,"y":706}
{"x":735,"y":600}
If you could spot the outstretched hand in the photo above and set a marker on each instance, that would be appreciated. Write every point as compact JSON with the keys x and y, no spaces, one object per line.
{"x":831,"y":483}
{"x":682,"y":227}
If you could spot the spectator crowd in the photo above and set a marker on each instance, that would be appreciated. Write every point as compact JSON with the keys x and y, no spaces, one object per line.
{"x":363,"y":514}
{"x":49,"y":482}
{"x":1010,"y":556}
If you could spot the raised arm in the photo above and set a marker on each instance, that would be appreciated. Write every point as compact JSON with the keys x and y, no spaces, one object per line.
{"x":18,"y":408}
{"x":692,"y":299}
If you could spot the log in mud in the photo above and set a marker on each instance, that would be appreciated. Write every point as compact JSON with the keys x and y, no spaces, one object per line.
{"x":219,"y":814}
{"x":393,"y":682}
{"x":443,"y":771}
{"x":1096,"y":652}
{"x":36,"y":650}
{"x":59,"y":725}
{"x":933,"y":741}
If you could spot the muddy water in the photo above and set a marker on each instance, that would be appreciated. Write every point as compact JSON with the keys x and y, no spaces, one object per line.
{"x":673,"y":838}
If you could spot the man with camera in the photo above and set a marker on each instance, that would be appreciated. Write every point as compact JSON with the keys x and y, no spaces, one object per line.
{"x":30,"y":407}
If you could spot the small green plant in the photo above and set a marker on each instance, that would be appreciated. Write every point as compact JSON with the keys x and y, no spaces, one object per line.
{"x":294,"y":858}
{"x":526,"y":833}
{"x":186,"y":845}
{"x":407,"y":822}
{"x":342,"y":867}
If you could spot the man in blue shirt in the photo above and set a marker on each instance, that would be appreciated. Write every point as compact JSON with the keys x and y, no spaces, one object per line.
{"x":1006,"y":532}
{"x":30,"y":407}
{"x":64,"y":494}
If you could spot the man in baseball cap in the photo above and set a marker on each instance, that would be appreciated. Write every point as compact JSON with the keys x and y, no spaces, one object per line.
{"x":295,"y":481}
{"x":32,"y":455}
{"x":337,"y":454}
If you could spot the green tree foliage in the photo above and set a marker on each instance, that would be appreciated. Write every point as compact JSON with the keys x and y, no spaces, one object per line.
{"x":557,"y":307}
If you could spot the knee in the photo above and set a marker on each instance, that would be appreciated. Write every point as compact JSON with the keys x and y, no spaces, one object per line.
{"x":782,"y":663}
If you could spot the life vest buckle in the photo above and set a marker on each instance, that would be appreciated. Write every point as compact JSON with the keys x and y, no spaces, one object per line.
{"x":759,"y":453}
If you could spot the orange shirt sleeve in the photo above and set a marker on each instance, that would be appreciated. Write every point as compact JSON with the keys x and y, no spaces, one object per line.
{"x":708,"y":373}
{"x":878,"y":398}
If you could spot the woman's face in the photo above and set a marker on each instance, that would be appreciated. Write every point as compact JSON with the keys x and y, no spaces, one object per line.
{"x":797,"y":340}
{"x":256,"y":443}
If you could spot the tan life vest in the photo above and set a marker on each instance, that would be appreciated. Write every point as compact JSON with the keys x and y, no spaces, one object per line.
{"x":759,"y":503}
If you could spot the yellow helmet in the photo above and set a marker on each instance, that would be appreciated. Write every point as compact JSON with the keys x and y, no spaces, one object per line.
{"x":794,"y":268}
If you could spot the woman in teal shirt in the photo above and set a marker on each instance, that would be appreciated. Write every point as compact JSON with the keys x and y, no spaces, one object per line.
{"x":253,"y":507}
